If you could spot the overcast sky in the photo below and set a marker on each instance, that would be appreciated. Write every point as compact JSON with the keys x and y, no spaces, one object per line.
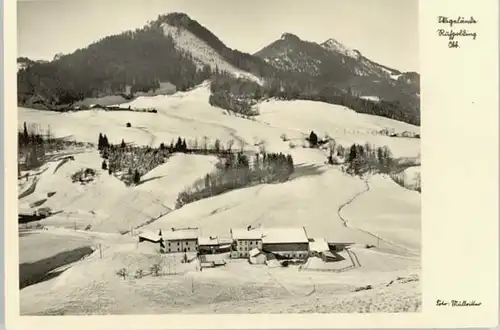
{"x":385,"y":31}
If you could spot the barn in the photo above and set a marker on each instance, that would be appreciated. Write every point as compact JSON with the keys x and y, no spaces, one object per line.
{"x":180,"y":240}
{"x":148,"y":236}
{"x":286,"y":242}
{"x":282,"y":242}
{"x":208,"y":245}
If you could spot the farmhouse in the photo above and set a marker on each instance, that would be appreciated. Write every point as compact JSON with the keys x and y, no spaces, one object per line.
{"x":245,"y":240}
{"x":180,"y":240}
{"x":286,"y":242}
{"x":282,"y":242}
{"x":408,"y":134}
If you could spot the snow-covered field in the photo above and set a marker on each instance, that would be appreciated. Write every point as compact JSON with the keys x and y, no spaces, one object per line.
{"x":92,"y":287}
{"x":188,"y":114}
{"x":387,"y":216}
{"x":106,"y":203}
{"x":389,"y":211}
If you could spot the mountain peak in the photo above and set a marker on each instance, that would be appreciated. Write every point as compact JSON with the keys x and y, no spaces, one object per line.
{"x":289,"y":36}
{"x":335,"y":46}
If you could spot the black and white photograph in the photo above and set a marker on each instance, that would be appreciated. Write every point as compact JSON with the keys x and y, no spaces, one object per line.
{"x":218,"y":157}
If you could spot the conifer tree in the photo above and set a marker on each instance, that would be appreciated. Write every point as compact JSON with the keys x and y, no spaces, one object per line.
{"x":105,"y":142}
{"x":313,"y":139}
{"x":137,"y":177}
{"x":352,"y":153}
{"x":25,"y":134}
{"x":100,"y":142}
{"x":178,"y":145}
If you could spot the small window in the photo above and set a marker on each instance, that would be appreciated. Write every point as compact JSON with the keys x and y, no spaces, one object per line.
{"x":189,"y":249}
{"x":177,"y":243}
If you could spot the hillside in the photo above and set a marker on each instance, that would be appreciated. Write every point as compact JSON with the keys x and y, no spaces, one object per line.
{"x":106,"y":204}
{"x":330,"y":203}
{"x":347,"y":70}
{"x":176,"y":49}
{"x":172,"y":49}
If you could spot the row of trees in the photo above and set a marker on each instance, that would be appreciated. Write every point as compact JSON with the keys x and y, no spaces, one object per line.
{"x":361,"y":159}
{"x":35,"y":143}
{"x":239,"y":171}
{"x":135,"y":161}
{"x":31,"y":146}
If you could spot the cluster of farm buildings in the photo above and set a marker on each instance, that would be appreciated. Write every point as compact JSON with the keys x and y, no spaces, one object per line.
{"x":256,"y":244}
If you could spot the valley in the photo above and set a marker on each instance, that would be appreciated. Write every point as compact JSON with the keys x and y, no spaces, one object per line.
{"x":143,"y":156}
{"x":107,"y":215}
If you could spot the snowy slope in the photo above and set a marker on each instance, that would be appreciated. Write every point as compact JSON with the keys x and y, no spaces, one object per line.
{"x":389,"y":211}
{"x":107,"y":204}
{"x":189,"y":115}
{"x":344,"y":125}
{"x":311,"y":198}
{"x":177,"y":174}
{"x":203,"y":53}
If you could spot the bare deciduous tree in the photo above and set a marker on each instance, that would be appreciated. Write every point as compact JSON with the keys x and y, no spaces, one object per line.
{"x":230,"y":144}
{"x":122,"y":272}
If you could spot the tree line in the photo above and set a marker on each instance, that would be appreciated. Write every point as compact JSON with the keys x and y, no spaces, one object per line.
{"x":362,"y":159}
{"x":130,"y":163}
{"x":239,"y":95}
{"x":35,"y":143}
{"x":238,"y":171}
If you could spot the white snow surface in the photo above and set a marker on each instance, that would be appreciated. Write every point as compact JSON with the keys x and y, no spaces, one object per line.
{"x":106,"y":203}
{"x":203,"y":53}
{"x":334,"y":45}
{"x":387,"y":216}
{"x":371,"y":98}
{"x":189,"y":115}
{"x":388,"y":211}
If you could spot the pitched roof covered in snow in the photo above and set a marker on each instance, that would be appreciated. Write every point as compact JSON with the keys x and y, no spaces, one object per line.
{"x":151,"y":236}
{"x":318,"y":245}
{"x":271,"y":235}
{"x":174,"y":234}
{"x":253,"y":253}
{"x":246,"y":233}
{"x":211,"y":240}
{"x":285,"y":235}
